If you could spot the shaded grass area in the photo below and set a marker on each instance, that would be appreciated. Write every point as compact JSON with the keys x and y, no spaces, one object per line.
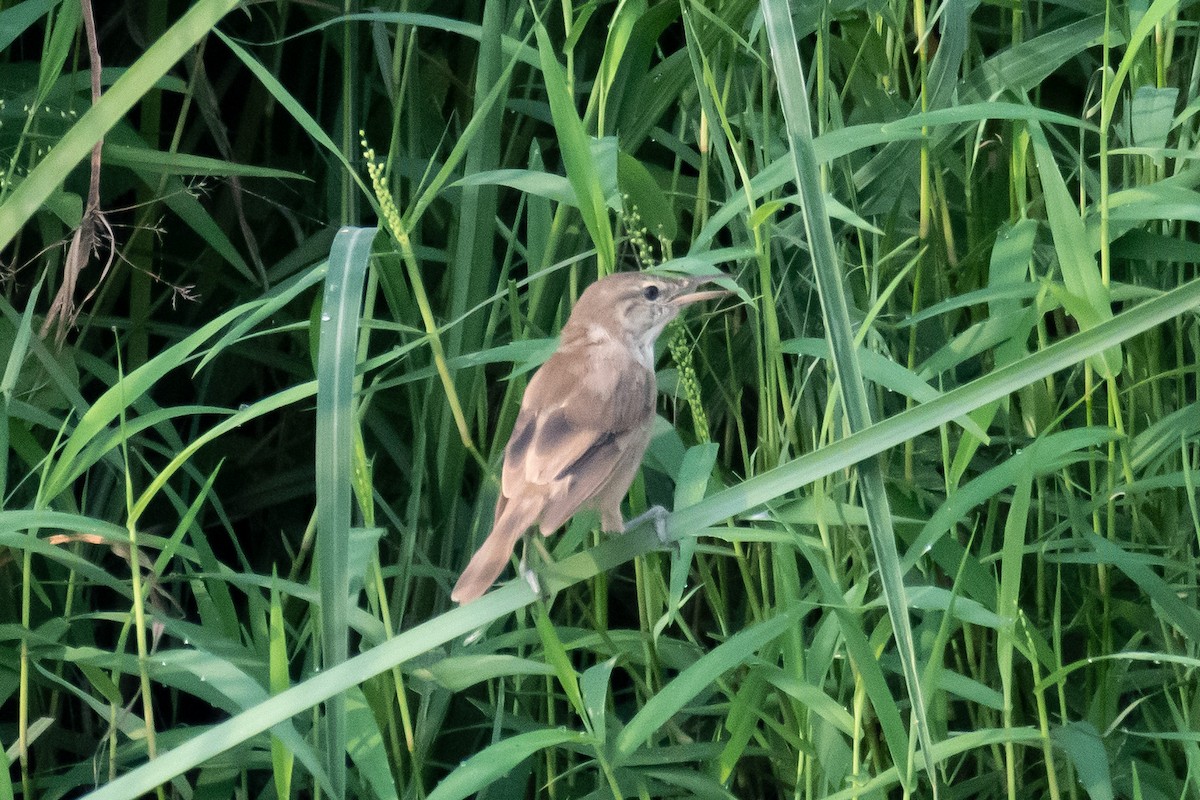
{"x":239,"y":484}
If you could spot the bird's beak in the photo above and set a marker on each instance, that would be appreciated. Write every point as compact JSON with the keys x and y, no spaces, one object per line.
{"x":687,"y":296}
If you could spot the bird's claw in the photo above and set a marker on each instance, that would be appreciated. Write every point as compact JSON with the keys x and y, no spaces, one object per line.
{"x":528,"y":575}
{"x":657,"y":516}
{"x":531,"y":578}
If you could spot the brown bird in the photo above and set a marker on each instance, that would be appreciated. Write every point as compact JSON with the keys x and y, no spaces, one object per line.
{"x":585,"y":419}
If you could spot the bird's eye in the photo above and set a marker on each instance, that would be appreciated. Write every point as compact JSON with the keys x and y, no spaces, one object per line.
{"x":650,"y":292}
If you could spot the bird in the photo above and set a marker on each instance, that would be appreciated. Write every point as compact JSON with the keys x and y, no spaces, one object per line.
{"x":585,"y":418}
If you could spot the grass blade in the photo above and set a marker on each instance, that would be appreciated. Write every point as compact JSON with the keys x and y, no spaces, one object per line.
{"x":76,"y":144}
{"x":790,"y":79}
{"x":695,"y":679}
{"x":336,"y":363}
{"x":577,"y":154}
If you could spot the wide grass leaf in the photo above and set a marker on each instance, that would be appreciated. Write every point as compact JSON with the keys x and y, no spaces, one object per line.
{"x":1081,"y":742}
{"x":1174,"y":610}
{"x":482,"y":769}
{"x":337,"y":361}
{"x":1087,"y":297}
{"x":462,"y":672}
{"x":673,"y":697}
{"x":577,"y":155}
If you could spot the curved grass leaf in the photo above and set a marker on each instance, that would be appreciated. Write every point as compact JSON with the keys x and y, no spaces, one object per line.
{"x":15,"y":20}
{"x":576,"y":153}
{"x":671,"y":699}
{"x":1089,"y":299}
{"x":1081,"y":742}
{"x":480,"y":770}
{"x":76,"y":144}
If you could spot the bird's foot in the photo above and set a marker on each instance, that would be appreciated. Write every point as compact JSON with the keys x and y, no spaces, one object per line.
{"x":531,"y":578}
{"x":527,"y":574}
{"x":657,"y":516}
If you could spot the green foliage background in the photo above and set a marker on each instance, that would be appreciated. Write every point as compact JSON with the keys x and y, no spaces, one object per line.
{"x":250,"y":441}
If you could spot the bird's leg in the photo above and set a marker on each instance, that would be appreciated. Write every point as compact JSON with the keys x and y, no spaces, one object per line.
{"x":657,"y":515}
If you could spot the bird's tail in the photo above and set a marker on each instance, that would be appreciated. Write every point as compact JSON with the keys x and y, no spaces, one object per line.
{"x":492,"y":556}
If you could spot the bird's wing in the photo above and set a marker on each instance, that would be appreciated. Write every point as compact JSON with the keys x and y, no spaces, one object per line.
{"x":576,"y":420}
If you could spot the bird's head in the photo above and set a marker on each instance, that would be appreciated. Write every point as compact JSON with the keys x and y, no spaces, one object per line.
{"x":635,"y":307}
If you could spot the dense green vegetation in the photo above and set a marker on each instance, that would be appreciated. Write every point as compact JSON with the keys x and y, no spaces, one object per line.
{"x":976,"y":578}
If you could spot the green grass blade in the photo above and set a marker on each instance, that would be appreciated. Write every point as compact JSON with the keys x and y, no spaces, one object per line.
{"x":16,"y":19}
{"x":296,"y":109}
{"x":364,"y":745}
{"x":1083,"y":745}
{"x":577,"y":154}
{"x":76,"y":144}
{"x":282,"y":759}
{"x":512,"y":47}
{"x":555,"y":654}
{"x":1081,"y":276}
{"x":110,"y":405}
{"x":895,"y":430}
{"x":483,"y":769}
{"x":304,"y":696}
{"x":696,"y":678}
{"x":12,"y":371}
{"x":1022,"y":67}
{"x":158,"y":162}
{"x":336,"y":364}
{"x":593,"y":687}
{"x":1178,"y":613}
{"x":792,"y":93}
